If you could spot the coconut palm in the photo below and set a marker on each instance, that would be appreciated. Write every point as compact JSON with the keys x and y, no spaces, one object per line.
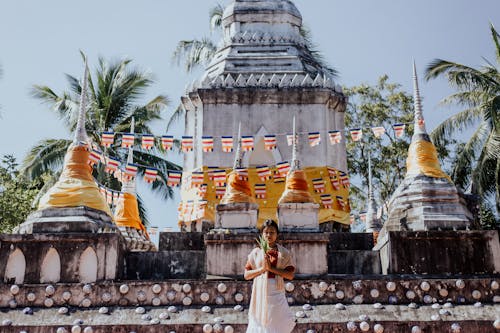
{"x":477,"y":165}
{"x":114,"y":92}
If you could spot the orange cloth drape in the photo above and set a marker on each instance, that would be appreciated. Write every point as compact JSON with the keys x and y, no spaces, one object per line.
{"x":238,"y":190}
{"x":423,"y":159}
{"x":76,"y":186}
{"x":296,"y":189}
{"x":127,"y":213}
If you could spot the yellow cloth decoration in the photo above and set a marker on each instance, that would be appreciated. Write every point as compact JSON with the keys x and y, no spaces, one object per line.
{"x":127,"y":213}
{"x":238,"y":190}
{"x":423,"y":159}
{"x":297,"y":190}
{"x":76,"y":186}
{"x":268,"y":206}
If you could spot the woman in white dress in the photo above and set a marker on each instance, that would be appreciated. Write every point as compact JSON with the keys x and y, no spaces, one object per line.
{"x":269,"y":311}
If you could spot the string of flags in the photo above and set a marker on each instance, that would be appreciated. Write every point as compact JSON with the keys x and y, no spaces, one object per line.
{"x":227,"y":142}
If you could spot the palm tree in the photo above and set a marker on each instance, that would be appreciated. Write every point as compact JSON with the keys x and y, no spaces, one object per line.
{"x":114,"y":91}
{"x":477,"y":165}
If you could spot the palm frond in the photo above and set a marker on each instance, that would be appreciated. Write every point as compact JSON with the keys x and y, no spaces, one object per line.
{"x":460,"y":76}
{"x":463,"y":119}
{"x":143,"y":213}
{"x":178,"y":114}
{"x":194,"y":53}
{"x":495,"y":36}
{"x":313,"y":56}
{"x":46,"y":156}
{"x":215,"y":16}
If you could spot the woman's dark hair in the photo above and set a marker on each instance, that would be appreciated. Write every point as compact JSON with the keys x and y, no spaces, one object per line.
{"x":270,"y":223}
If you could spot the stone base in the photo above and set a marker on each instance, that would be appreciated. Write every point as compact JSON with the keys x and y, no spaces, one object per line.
{"x":298,"y":217}
{"x":227,"y":253}
{"x":440,"y":252}
{"x":236,"y":216}
{"x":53,"y":258}
{"x":67,"y":220}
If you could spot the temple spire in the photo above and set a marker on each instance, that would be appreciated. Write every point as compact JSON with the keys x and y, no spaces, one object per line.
{"x":130,"y":186}
{"x":238,"y":159}
{"x":417,"y":100}
{"x":372,"y":222}
{"x":81,"y":137}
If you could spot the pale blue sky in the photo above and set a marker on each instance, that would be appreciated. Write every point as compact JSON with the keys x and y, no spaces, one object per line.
{"x":39,"y":42}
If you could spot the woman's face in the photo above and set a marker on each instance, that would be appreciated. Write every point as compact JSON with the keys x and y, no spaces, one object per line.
{"x":270,"y":234}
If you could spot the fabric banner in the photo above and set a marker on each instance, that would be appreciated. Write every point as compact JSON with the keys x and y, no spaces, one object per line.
{"x":167,"y":142}
{"x":270,"y":142}
{"x":148,"y":141}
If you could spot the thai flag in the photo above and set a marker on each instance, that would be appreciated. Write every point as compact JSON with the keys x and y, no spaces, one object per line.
{"x":94,"y":157}
{"x":283,"y":168}
{"x":220,"y":191}
{"x":112,"y":165}
{"x":247,"y":143}
{"x":187,"y":143}
{"x":378,"y":131}
{"x":314,"y":139}
{"x":270,"y":142}
{"x":107,"y":139}
{"x":327,"y":201}
{"x":242,"y":174}
{"x":260,"y":191}
{"x":227,"y":144}
{"x":128,"y":140}
{"x":150,"y":175}
{"x":356,"y":134}
{"x":220,"y":177}
{"x":344,"y":179}
{"x":148,"y":141}
{"x":174,"y":178}
{"x":318,"y":185}
{"x":335,"y":137}
{"x":197,"y":178}
{"x":264,"y":173}
{"x":167,"y":142}
{"x":399,"y":130}
{"x":130,"y":171}
{"x":207,"y":143}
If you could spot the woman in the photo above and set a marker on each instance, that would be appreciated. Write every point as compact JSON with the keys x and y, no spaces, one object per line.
{"x":269,"y":311}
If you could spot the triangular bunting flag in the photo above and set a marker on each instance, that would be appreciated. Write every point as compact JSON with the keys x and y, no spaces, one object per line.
{"x":327,"y":201}
{"x":227,"y":144}
{"x":148,"y":141}
{"x":356,"y":134}
{"x":150,"y":175}
{"x":247,"y":143}
{"x":270,"y":142}
{"x":174,"y":178}
{"x":107,"y":139}
{"x":314,"y":139}
{"x":283,"y":168}
{"x":207,"y":143}
{"x":260,"y":191}
{"x":187,"y":143}
{"x":264,"y":173}
{"x":128,"y":140}
{"x":318,"y":185}
{"x":399,"y":130}
{"x":378,"y":131}
{"x":167,"y":142}
{"x":335,"y":137}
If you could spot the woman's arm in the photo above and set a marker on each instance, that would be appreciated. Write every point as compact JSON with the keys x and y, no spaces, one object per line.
{"x":253,"y":273}
{"x":284,"y":273}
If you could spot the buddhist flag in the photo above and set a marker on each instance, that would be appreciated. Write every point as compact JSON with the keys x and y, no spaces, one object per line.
{"x":318,"y":185}
{"x":270,"y":142}
{"x":148,"y":141}
{"x":356,"y":134}
{"x":219,"y":177}
{"x":174,"y":178}
{"x":207,"y":143}
{"x":264,"y":173}
{"x":344,"y":179}
{"x":94,"y":157}
{"x":378,"y":131}
{"x":278,"y":177}
{"x":128,"y":140}
{"x":227,"y":144}
{"x":334,"y":180}
{"x":327,"y":201}
{"x":314,"y":139}
{"x":167,"y":142}
{"x":211,"y":171}
{"x":112,"y":165}
{"x":107,"y":139}
{"x":335,"y":137}
{"x":399,"y":129}
{"x":362,"y":216}
{"x":187,"y":143}
{"x":260,"y":191}
{"x":283,"y":168}
{"x":341,"y":202}
{"x":150,"y":175}
{"x":352,"y":219}
{"x":247,"y":143}
{"x":197,"y":178}
{"x":220,"y":191}
{"x":202,"y":190}
{"x":332,"y":172}
{"x":289,"y":139}
{"x":242,"y":174}
{"x":130,"y":171}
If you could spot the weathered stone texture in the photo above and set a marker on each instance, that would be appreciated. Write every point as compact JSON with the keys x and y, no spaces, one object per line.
{"x":181,"y":241}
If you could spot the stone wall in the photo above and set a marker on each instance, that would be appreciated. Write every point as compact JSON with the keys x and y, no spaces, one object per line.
{"x":351,"y":253}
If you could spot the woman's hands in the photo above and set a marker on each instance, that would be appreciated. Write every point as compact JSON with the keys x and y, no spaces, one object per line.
{"x":267,"y":264}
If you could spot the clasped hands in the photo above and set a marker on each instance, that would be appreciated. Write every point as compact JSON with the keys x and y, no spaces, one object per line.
{"x":267,"y":265}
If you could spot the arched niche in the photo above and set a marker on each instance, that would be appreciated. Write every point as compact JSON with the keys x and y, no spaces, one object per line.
{"x":87,"y":267}
{"x":51,"y":267}
{"x":16,"y":267}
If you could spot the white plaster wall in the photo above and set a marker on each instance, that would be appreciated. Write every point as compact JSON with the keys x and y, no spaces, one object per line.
{"x":87,"y":267}
{"x":51,"y":267}
{"x":16,"y":267}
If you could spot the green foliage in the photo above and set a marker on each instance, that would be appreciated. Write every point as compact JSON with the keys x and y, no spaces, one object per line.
{"x":380,"y":105}
{"x":477,"y":165}
{"x":115,"y":91}
{"x":16,"y":194}
{"x":263,"y":244}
